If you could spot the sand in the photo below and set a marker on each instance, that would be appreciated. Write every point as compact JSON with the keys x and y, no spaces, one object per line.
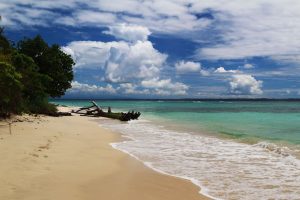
{"x":70,"y":158}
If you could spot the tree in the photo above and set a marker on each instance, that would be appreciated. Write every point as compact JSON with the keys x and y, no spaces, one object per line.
{"x":30,"y":74}
{"x":5,"y":47}
{"x":32,"y":80}
{"x":51,"y":61}
{"x":11,"y":90}
{"x":34,"y":92}
{"x":4,"y":43}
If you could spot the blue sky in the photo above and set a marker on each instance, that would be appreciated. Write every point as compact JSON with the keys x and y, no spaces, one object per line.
{"x":170,"y":48}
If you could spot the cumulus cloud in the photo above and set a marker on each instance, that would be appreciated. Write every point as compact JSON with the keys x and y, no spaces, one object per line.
{"x":222,"y":70}
{"x":131,"y":33}
{"x":92,"y":54}
{"x":138,"y":60}
{"x":188,"y":66}
{"x":121,"y":61}
{"x":86,"y":88}
{"x":155,"y":86}
{"x":243,"y":84}
{"x":129,"y":88}
{"x":205,"y":72}
{"x":248,"y":66}
{"x":239,"y":82}
{"x":134,"y":66}
{"x":244,"y":29}
{"x":165,"y":86}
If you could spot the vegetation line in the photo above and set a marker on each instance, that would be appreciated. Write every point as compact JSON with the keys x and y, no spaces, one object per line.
{"x":30,"y":73}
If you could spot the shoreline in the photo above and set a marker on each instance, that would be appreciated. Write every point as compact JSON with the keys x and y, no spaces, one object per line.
{"x":201,"y":191}
{"x":71,"y":158}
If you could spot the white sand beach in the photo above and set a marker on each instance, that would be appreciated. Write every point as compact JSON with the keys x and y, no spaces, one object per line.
{"x":47,"y":158}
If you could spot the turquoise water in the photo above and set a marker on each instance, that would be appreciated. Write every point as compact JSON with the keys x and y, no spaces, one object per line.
{"x":232,"y":150}
{"x":248,"y":120}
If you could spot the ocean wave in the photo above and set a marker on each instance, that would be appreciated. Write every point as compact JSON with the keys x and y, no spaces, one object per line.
{"x":271,"y":147}
{"x":223,"y":169}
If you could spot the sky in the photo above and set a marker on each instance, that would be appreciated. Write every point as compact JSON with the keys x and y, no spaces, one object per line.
{"x":169,"y":48}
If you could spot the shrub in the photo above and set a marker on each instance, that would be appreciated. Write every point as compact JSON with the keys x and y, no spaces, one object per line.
{"x":11,"y":90}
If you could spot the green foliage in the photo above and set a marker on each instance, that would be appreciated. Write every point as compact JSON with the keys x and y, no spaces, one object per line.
{"x":34,"y":83}
{"x":5,"y":47}
{"x":30,"y":74}
{"x":34,"y":48}
{"x":11,"y":90}
{"x":42,"y":106}
{"x":51,"y":61}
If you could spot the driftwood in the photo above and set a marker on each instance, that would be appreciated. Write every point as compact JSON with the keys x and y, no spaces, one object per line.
{"x":97,"y":111}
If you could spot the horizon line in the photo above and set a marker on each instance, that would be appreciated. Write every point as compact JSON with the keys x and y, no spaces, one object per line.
{"x":182,"y":99}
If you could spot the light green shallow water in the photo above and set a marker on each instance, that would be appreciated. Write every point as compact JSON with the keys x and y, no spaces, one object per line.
{"x":243,"y":120}
{"x":247,"y":150}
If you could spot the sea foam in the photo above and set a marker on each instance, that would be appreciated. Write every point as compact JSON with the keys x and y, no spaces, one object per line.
{"x":224,"y":169}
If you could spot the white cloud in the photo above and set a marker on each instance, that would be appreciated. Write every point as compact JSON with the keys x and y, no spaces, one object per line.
{"x":239,"y":82}
{"x":131,"y":33}
{"x":134,"y":66}
{"x":138,"y":61}
{"x":254,"y":28}
{"x":156,"y":87}
{"x":204,"y":72}
{"x":165,"y":86}
{"x":121,"y":61}
{"x":243,"y":84}
{"x":244,"y":29}
{"x":248,"y":66}
{"x":86,"y":88}
{"x":129,"y":88}
{"x":188,"y":66}
{"x":161,"y":92}
{"x":92,"y":54}
{"x":222,"y":70}
{"x":87,"y":18}
{"x":45,"y":4}
{"x":16,"y":17}
{"x":287,"y":59}
{"x":167,"y":16}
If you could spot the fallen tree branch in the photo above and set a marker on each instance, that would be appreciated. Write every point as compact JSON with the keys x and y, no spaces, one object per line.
{"x":97,"y":111}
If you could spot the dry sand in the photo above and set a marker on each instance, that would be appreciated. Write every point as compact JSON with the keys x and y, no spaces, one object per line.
{"x":69,"y":158}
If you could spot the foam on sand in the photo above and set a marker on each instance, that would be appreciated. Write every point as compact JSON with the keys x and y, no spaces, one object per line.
{"x":223,"y":169}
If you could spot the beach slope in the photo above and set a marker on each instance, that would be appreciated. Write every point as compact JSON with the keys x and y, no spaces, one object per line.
{"x":48,"y":158}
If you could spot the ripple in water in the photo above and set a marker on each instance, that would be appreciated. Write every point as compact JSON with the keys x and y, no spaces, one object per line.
{"x":223,"y":169}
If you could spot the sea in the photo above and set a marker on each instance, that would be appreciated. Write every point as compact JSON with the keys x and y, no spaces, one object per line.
{"x":230,"y":149}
